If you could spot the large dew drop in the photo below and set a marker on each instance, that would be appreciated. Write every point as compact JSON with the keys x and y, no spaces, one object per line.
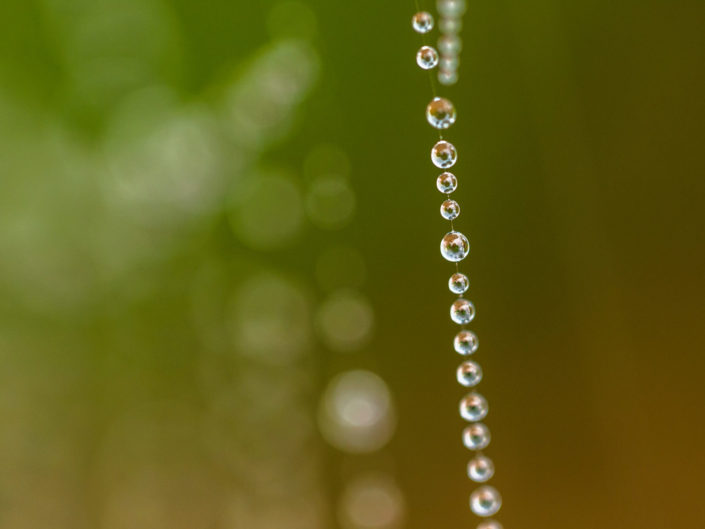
{"x":476,"y":436}
{"x":447,"y":183}
{"x":427,"y":57}
{"x":458,"y":283}
{"x":465,"y":343}
{"x":422,"y":22}
{"x":462,"y":311}
{"x":444,"y":155}
{"x":450,"y":210}
{"x":485,"y":501}
{"x":455,"y":247}
{"x":469,"y":374}
{"x":480,"y":469}
{"x":440,"y":113}
{"x":473,"y":407}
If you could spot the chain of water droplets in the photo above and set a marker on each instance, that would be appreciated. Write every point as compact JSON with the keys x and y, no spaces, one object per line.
{"x":485,"y":501}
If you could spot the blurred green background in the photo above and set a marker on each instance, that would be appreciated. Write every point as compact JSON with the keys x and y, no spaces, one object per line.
{"x":221,"y":299}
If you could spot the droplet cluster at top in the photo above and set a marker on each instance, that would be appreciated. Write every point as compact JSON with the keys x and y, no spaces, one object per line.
{"x":485,"y":501}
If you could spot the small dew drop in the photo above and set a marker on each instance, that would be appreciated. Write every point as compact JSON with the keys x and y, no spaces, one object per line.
{"x":447,"y":77}
{"x":485,"y":501}
{"x":447,"y":183}
{"x":462,"y":311}
{"x":444,"y":155}
{"x":450,"y":44}
{"x":454,"y":246}
{"x":458,"y":283}
{"x":451,"y":8}
{"x":422,"y":22}
{"x":440,"y":113}
{"x":465,"y":343}
{"x":450,"y":25}
{"x":476,"y":436}
{"x":427,"y":57}
{"x":473,"y":407}
{"x":450,"y":210}
{"x":449,"y":62}
{"x":469,"y":374}
{"x":480,"y":469}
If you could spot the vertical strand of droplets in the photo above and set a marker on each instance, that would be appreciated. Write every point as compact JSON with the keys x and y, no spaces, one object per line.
{"x":485,"y":500}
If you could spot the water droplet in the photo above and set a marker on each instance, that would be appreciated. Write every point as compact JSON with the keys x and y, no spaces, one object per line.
{"x":458,"y":283}
{"x":450,"y":25}
{"x":485,"y":501}
{"x":422,"y":22}
{"x":447,"y":183}
{"x":345,"y":321}
{"x":476,"y":436}
{"x":450,"y":210}
{"x":447,"y":77}
{"x":444,"y":155}
{"x":465,"y":343}
{"x":451,"y":8}
{"x":480,"y":469}
{"x":490,"y":524}
{"x":449,"y":62}
{"x":356,"y":413}
{"x":371,"y":501}
{"x":469,"y":374}
{"x":427,"y":57}
{"x":462,"y":311}
{"x":454,"y":246}
{"x":440,"y":113}
{"x":473,"y":407}
{"x":450,"y":44}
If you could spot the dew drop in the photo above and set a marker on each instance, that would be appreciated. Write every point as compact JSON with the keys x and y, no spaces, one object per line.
{"x":427,"y":57}
{"x":447,"y":183}
{"x":458,"y":283}
{"x":490,"y":524}
{"x":444,"y":155}
{"x":449,"y":62}
{"x":462,"y":311}
{"x":485,"y":501}
{"x":422,"y":22}
{"x":454,"y":246}
{"x":451,"y":8}
{"x":465,"y":343}
{"x":450,"y":25}
{"x":469,"y":374}
{"x":473,"y":407}
{"x":476,"y":436}
{"x":450,"y":44}
{"x":480,"y":469}
{"x":450,"y":210}
{"x":440,"y":112}
{"x":447,"y":77}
